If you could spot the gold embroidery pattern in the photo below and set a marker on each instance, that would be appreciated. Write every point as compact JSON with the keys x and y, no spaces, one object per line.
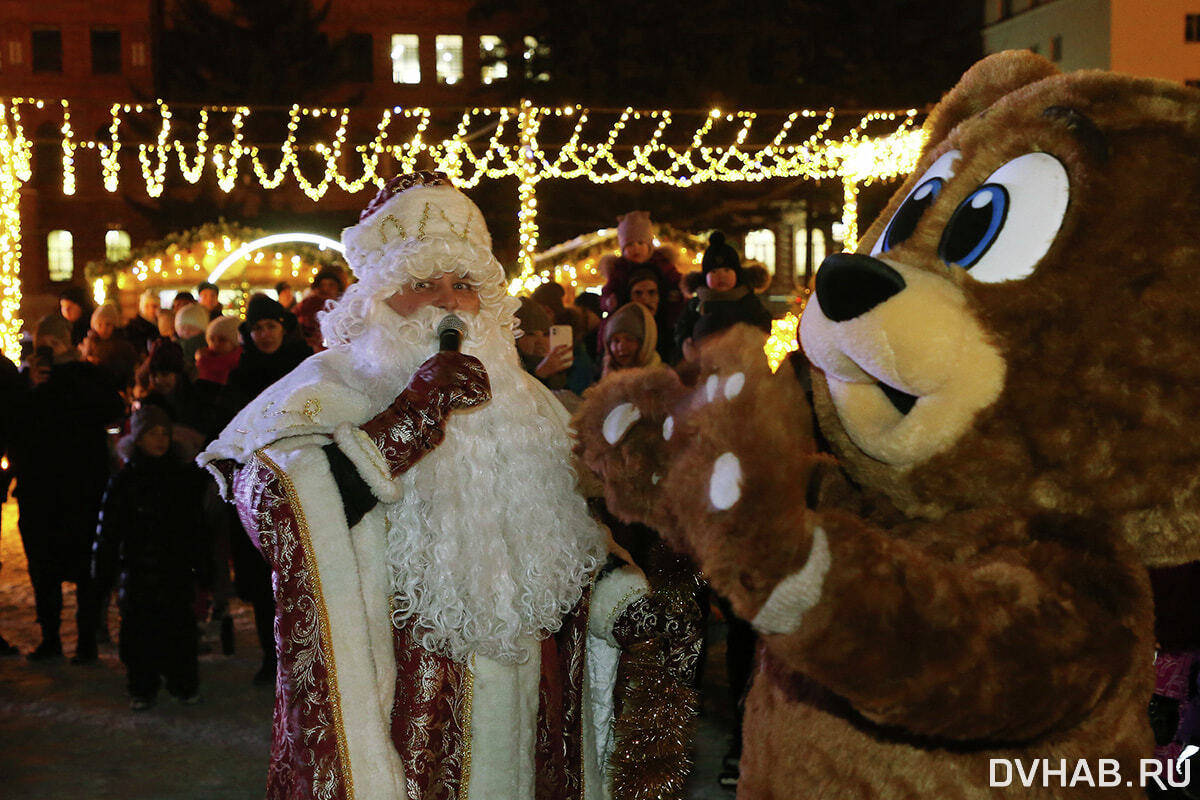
{"x":432,"y":698}
{"x":395,"y":223}
{"x":466,"y":229}
{"x":313,"y":609}
{"x":312,"y":407}
{"x":465,"y":726}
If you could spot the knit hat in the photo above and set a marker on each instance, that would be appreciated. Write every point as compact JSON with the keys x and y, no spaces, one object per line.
{"x":77,"y":295}
{"x":165,"y":356}
{"x":262,"y":307}
{"x":416,"y":207}
{"x":629,"y":319}
{"x":532,"y":316}
{"x":224,"y":327}
{"x":194,"y":316}
{"x":550,"y":294}
{"x":720,"y":255}
{"x":146,"y":417}
{"x":634,"y":227}
{"x":108,"y":312}
{"x":328,"y":275}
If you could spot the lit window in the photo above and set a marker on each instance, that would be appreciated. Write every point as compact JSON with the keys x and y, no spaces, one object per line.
{"x":406,"y":61}
{"x":137,"y":54}
{"x":492,"y":58}
{"x":535,"y":59}
{"x":449,"y":58}
{"x":760,"y":246}
{"x":16,"y":54}
{"x":800,"y":247}
{"x":60,"y":254}
{"x":117,"y":245}
{"x":1191,"y":28}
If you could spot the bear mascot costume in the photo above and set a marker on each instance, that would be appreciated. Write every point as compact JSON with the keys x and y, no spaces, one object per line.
{"x":953,"y":602}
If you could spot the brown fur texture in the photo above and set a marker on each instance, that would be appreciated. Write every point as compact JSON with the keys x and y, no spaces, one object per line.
{"x":987,"y":600}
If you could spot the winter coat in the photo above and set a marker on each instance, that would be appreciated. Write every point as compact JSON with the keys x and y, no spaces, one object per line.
{"x":140,"y":332}
{"x":256,"y":371}
{"x":722,"y":310}
{"x":150,"y":534}
{"x":60,"y":457}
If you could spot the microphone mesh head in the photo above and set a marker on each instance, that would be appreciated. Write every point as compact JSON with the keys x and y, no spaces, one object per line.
{"x":451,"y":323}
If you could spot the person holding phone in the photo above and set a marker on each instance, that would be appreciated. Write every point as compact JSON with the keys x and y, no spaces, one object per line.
{"x":550,"y":353}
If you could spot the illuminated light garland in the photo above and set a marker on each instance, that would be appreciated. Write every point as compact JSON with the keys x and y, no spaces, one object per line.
{"x":483,"y":145}
{"x":15,"y":154}
{"x":275,"y":238}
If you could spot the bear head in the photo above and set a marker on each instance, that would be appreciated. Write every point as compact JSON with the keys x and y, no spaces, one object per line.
{"x":1021,"y":326}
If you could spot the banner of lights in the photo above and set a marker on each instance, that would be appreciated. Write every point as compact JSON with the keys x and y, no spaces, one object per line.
{"x":323,"y":148}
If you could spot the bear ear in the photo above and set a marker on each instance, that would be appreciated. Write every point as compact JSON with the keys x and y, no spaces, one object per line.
{"x":983,"y":84}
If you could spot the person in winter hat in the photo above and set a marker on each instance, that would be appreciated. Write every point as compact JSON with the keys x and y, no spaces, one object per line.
{"x":629,"y":339}
{"x":150,"y":542}
{"x":445,"y":546}
{"x":639,"y":256}
{"x":723,"y":301}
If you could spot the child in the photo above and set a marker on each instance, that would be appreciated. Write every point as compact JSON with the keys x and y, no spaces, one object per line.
{"x":222,"y":353}
{"x":150,"y":536}
{"x":629,"y":339}
{"x":640,"y":258}
{"x":723,"y":300}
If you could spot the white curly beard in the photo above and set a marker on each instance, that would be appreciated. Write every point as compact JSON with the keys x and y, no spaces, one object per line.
{"x":491,"y":542}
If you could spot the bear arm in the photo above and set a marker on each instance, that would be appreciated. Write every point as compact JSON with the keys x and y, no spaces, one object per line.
{"x":1015,"y":642}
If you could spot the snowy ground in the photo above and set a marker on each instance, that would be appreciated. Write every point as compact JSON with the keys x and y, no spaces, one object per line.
{"x":67,"y":731}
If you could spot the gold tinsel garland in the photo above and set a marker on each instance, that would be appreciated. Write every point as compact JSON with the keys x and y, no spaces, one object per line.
{"x":654,"y":732}
{"x":658,"y":705}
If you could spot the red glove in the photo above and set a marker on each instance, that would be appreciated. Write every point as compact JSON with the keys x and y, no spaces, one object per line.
{"x":414,"y":423}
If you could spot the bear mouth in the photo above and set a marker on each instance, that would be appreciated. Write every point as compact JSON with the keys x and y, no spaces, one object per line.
{"x":902,"y":401}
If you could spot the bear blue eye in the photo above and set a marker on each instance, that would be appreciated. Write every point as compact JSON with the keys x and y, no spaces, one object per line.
{"x":975,"y":225}
{"x":928,"y":186}
{"x":910,"y":212}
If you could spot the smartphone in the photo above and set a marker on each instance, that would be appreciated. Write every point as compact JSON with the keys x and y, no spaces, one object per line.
{"x":561,"y":334}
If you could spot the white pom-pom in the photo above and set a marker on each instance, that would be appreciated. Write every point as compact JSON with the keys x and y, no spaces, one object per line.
{"x":733,"y":386}
{"x":668,"y":428}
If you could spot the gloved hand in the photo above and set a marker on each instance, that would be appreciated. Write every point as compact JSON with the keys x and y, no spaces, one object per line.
{"x":449,"y":380}
{"x":414,"y":423}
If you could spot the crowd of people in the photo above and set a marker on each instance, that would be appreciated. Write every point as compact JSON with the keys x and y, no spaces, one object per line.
{"x":104,"y":419}
{"x":102,"y":422}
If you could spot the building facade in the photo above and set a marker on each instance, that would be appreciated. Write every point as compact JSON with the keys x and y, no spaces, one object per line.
{"x":1156,"y":40}
{"x":97,"y":54}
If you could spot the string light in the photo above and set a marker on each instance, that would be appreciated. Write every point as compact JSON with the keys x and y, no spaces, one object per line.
{"x":15,"y":152}
{"x":649,"y":146}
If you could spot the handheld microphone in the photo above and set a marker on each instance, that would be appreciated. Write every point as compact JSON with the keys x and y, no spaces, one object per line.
{"x":450,"y":332}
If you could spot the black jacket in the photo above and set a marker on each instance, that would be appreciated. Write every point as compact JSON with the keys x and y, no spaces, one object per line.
{"x":151,"y":533}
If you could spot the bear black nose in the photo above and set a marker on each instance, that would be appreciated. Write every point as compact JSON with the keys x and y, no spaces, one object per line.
{"x":849,"y":284}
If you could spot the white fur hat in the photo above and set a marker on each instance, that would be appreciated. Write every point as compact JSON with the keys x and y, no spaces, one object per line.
{"x":417,"y":206}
